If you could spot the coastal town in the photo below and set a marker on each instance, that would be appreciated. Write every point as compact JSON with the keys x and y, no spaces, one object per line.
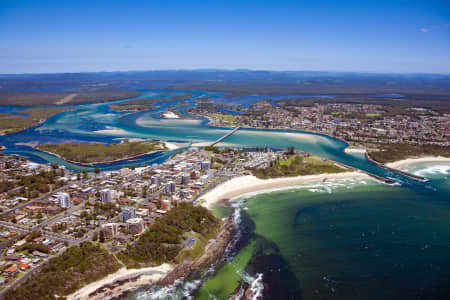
{"x":364,"y":125}
{"x":45,"y":208}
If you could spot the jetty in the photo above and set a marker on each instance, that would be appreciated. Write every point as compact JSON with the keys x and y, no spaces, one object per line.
{"x":413,"y":176}
{"x":379,"y":178}
{"x":225,"y":136}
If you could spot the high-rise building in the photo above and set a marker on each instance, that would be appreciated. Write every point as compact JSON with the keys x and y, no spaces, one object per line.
{"x":185,"y":179}
{"x":156,"y":179}
{"x":106,"y":195}
{"x":64,"y":200}
{"x":205,"y":165}
{"x":109,"y":229}
{"x":170,"y":187}
{"x":135,"y":225}
{"x":128,"y":213}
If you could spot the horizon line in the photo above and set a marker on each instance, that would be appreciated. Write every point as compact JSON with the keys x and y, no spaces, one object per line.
{"x":227,"y":70}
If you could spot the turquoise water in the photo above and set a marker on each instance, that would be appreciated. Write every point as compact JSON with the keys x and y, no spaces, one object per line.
{"x":97,"y":122}
{"x":342,"y":239}
{"x":353,"y":239}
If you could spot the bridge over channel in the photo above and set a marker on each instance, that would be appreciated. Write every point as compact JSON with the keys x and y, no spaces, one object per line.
{"x":225,"y":136}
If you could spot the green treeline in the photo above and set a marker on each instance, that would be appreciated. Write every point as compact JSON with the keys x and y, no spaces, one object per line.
{"x":91,"y":153}
{"x":394,"y":152}
{"x":163,"y":241}
{"x":64,"y":274}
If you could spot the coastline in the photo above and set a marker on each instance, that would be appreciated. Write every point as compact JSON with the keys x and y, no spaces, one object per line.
{"x":133,"y":278}
{"x":250,"y":184}
{"x":400,"y":164}
{"x":123,"y":281}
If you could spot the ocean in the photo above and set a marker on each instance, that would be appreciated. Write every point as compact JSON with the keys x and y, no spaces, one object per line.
{"x":342,"y":239}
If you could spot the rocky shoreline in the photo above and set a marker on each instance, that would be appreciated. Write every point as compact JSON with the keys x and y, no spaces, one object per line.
{"x":213,"y":251}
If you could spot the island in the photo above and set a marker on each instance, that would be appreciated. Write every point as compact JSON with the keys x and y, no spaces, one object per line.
{"x":89,"y":154}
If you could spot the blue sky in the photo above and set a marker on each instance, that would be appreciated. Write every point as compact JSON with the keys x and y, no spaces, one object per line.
{"x":372,"y":36}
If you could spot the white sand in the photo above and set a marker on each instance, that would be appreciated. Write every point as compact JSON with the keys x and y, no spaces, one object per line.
{"x":206,"y":144}
{"x":249,"y":184}
{"x":146,"y":274}
{"x":354,"y":150}
{"x":170,"y":115}
{"x":303,"y":136}
{"x":112,"y":130}
{"x":405,"y":162}
{"x":171,"y":146}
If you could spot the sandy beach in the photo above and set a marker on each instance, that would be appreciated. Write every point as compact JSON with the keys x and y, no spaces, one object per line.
{"x":169,"y":115}
{"x":112,"y":130}
{"x":405,"y":162}
{"x":249,"y":184}
{"x":354,"y":150}
{"x":172,"y":146}
{"x":146,"y":276}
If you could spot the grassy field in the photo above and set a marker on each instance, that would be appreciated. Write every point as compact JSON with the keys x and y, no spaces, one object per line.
{"x":14,"y":123}
{"x":92,"y":153}
{"x":231,"y":119}
{"x":296,"y":165}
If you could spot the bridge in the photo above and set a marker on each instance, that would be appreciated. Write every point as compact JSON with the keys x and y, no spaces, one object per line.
{"x":225,"y":136}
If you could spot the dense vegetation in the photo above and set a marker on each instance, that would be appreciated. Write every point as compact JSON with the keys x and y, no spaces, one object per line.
{"x":26,"y":98}
{"x":163,"y":241}
{"x":64,"y":274}
{"x":394,"y":152}
{"x":91,"y":153}
{"x":12,"y":123}
{"x":295,"y":166}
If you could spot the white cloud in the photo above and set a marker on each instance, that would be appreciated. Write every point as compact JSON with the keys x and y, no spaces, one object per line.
{"x":424,"y":30}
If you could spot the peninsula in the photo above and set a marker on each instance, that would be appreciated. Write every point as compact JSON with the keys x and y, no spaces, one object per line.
{"x":24,"y":119}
